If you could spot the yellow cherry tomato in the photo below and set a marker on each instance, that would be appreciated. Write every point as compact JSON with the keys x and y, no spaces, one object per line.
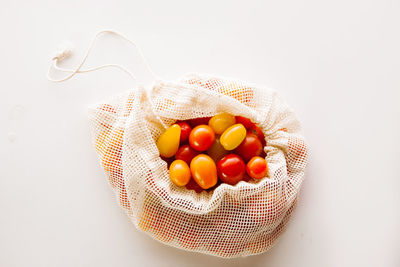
{"x":204,"y":171}
{"x":217,"y":151}
{"x":219,"y":123}
{"x":168,"y":142}
{"x":179,"y":172}
{"x":233,"y":136}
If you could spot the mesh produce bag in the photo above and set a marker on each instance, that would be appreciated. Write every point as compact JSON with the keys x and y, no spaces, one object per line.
{"x":228,"y":221}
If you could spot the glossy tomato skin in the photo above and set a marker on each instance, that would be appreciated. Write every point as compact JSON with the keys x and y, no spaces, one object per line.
{"x":233,"y":136}
{"x":199,"y":121}
{"x":168,"y":142}
{"x":250,"y":147}
{"x":247,"y":123}
{"x":257,"y":131}
{"x":186,"y":153}
{"x":220,"y":122}
{"x":202,"y":137}
{"x":204,"y":171}
{"x":185,"y":131}
{"x":231,"y":169}
{"x":179,"y":172}
{"x":257,"y":168}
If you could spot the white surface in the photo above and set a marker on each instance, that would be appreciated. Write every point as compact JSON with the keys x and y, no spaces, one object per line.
{"x":337,"y":64}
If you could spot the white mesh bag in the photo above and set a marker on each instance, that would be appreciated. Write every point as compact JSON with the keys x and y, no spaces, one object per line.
{"x":228,"y":221}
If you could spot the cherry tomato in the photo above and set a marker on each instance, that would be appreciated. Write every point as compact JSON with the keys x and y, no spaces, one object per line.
{"x":220,"y":122}
{"x":186,"y":153}
{"x":204,"y":171}
{"x":168,"y":142}
{"x":233,"y":136}
{"x":199,"y":121}
{"x":217,"y":151}
{"x":179,"y":172}
{"x":185,"y":131}
{"x":257,"y":131}
{"x":247,"y":123}
{"x":250,"y":147}
{"x":201,"y":137}
{"x":257,"y":168}
{"x":192,"y":185}
{"x":231,"y":169}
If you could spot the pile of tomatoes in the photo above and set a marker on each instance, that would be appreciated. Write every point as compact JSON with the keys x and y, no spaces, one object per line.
{"x":204,"y":152}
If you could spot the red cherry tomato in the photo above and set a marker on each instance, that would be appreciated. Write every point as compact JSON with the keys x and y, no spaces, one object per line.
{"x":202,"y":137}
{"x":185,"y":131}
{"x":231,"y":169}
{"x":247,"y":123}
{"x":199,"y":121}
{"x":186,"y":153}
{"x":257,"y":168}
{"x":257,"y":131}
{"x":250,"y":147}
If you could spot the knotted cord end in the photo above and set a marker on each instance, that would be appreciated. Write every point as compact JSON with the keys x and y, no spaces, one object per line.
{"x":64,"y":51}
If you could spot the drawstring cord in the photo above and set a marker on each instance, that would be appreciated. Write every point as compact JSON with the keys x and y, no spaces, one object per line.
{"x":66,"y":51}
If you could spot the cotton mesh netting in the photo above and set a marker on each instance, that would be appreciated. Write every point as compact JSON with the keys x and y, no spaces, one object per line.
{"x":229,"y":221}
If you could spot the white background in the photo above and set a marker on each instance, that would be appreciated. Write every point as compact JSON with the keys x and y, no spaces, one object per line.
{"x":336,"y":62}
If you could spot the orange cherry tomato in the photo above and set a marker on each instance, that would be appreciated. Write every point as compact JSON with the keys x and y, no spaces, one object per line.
{"x":179,"y":172}
{"x":233,"y":136}
{"x":168,"y":142}
{"x":257,"y":168}
{"x":204,"y":171}
{"x":220,"y":122}
{"x":202,"y":137}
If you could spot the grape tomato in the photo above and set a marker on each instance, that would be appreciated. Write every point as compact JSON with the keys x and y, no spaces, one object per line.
{"x":168,"y":142}
{"x":204,"y":171}
{"x":219,"y":123}
{"x":233,"y":136}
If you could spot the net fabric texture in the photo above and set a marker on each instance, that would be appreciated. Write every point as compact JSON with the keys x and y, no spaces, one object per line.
{"x":229,"y":221}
